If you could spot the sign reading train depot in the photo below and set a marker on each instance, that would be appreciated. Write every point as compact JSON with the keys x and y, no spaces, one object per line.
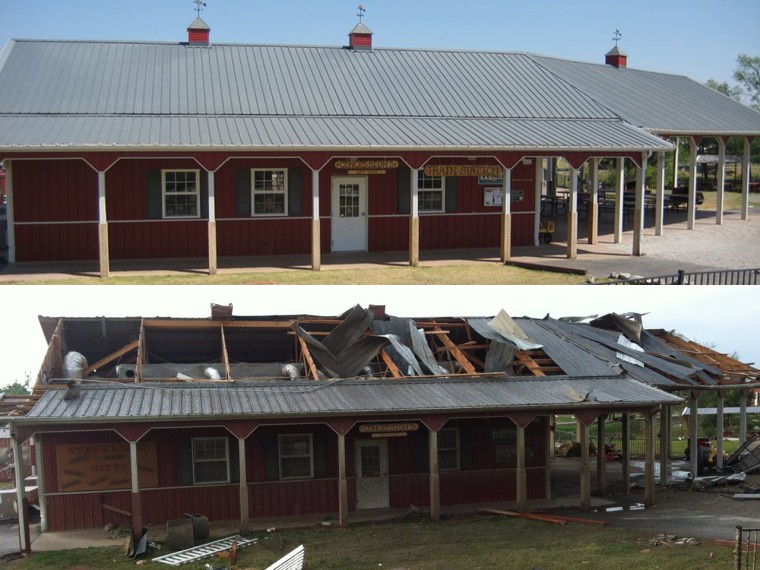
{"x":99,"y":466}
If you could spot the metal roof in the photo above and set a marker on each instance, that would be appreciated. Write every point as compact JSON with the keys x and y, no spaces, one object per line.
{"x":657,"y":102}
{"x":98,"y":95}
{"x":171,"y":401}
{"x":726,"y":410}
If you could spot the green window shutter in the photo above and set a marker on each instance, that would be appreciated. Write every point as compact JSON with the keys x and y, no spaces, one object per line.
{"x":451,"y":184}
{"x":154,"y":195}
{"x":465,"y":448}
{"x":185,"y":462}
{"x":295,"y":191}
{"x":423,"y":450}
{"x":320,"y":455}
{"x":243,"y":192}
{"x":404,"y":190}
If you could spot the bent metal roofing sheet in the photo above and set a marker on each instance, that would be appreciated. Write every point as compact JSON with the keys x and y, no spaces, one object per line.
{"x":98,"y":95}
{"x":138,"y":402}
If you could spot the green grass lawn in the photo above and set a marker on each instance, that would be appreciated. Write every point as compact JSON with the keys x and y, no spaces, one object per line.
{"x":475,"y":274}
{"x":416,"y":544}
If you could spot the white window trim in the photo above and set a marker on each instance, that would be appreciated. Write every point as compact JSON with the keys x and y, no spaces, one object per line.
{"x":457,"y":449}
{"x":253,"y":192}
{"x":197,"y":194}
{"x":442,"y":191}
{"x":311,"y":454}
{"x":226,"y":459}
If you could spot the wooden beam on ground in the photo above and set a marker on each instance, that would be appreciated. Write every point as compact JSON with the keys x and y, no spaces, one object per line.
{"x":309,"y":359}
{"x":531,"y":516}
{"x":454,"y":351}
{"x":115,"y":510}
{"x":111,"y":357}
{"x":390,"y":364}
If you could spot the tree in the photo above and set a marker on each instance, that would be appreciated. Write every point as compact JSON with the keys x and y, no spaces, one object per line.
{"x":18,"y":387}
{"x":748,"y":75}
{"x":734,"y":92}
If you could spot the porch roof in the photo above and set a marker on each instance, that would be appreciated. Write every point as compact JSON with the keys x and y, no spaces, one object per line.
{"x":137,"y":402}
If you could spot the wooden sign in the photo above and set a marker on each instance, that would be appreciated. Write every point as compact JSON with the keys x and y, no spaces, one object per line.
{"x":100,"y":466}
{"x":464,"y":170}
{"x":366,"y":165}
{"x":389,"y":428}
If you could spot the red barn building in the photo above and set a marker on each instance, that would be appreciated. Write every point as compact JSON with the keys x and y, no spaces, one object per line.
{"x":136,"y":150}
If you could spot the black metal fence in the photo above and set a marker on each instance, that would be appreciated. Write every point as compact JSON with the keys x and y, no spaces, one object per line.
{"x":727,"y":277}
{"x":745,"y":550}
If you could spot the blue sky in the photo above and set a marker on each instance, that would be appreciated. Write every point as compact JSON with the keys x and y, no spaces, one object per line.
{"x":697,"y":38}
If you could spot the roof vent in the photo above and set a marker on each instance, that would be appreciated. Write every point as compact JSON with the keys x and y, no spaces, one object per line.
{"x":616,"y":57}
{"x":360,"y":37}
{"x":198,"y":33}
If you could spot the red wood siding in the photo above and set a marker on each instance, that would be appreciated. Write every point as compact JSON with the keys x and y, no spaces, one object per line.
{"x":156,"y":239}
{"x":289,"y":498}
{"x":56,"y":242}
{"x":411,"y":489}
{"x":217,"y":502}
{"x":264,"y":237}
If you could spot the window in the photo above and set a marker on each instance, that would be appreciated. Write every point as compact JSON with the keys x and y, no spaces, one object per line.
{"x":430,"y":192}
{"x":181,"y":193}
{"x":211,"y":460}
{"x":296,"y":460}
{"x":270,"y":192}
{"x":448,"y":449}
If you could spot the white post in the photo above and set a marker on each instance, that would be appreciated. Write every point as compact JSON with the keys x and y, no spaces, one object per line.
{"x":572,"y":215}
{"x":41,"y":483}
{"x":719,"y":197}
{"x":692,"y":199}
{"x":414,"y":221}
{"x":506,"y":215}
{"x":316,"y":242}
{"x":675,"y":164}
{"x":693,"y":431}
{"x":719,"y":430}
{"x":593,"y":205}
{"x":105,"y":265}
{"x":20,"y":490}
{"x":638,"y":213}
{"x":745,"y":179}
{"x":659,"y":211}
{"x":619,"y":197}
{"x":538,"y":185}
{"x":10,"y":212}
{"x":212,"y":251}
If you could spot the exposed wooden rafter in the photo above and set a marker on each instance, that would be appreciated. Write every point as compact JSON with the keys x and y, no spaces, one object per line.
{"x":110,"y":358}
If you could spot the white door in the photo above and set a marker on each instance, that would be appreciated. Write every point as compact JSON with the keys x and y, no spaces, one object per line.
{"x":372,"y":474}
{"x":349,"y":213}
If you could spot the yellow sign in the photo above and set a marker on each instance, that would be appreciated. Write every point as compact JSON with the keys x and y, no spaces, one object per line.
{"x":366,"y":172}
{"x":100,"y":466}
{"x":388,"y":428}
{"x":366,"y":164}
{"x":463,"y":170}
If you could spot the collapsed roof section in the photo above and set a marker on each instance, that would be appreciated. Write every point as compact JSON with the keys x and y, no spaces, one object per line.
{"x":370,"y":344}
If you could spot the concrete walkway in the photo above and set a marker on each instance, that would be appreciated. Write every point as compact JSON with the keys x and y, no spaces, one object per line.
{"x":733,"y":245}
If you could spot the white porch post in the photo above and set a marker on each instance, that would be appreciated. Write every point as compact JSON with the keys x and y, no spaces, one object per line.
{"x":538,"y":179}
{"x":745,"y":179}
{"x":506,"y":216}
{"x":593,"y":205}
{"x":619,"y":197}
{"x":742,"y":416}
{"x":435,"y":487}
{"x":692,"y":199}
{"x":638,"y":213}
{"x":675,"y":164}
{"x":719,"y":422}
{"x":521,"y":474}
{"x":136,"y":499}
{"x":342,"y":483}
{"x":572,"y":215}
{"x":649,"y":459}
{"x":659,"y":209}
{"x":212,"y":251}
{"x":414,"y":221}
{"x":23,"y":523}
{"x":41,"y":483}
{"x":245,"y":516}
{"x":105,"y":265}
{"x":11,"y":214}
{"x":693,"y":432}
{"x":316,"y":242}
{"x":719,"y":198}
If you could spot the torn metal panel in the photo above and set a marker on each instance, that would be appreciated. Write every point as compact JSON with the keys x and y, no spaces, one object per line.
{"x":630,"y":327}
{"x":355,"y":323}
{"x":422,"y":349}
{"x":500,"y":357}
{"x":350,"y":360}
{"x":623,"y":341}
{"x":403,"y":356}
{"x":509,"y":329}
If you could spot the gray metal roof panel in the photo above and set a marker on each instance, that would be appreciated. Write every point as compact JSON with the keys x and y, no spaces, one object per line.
{"x":302,"y":398}
{"x":659,"y":102}
{"x":33,"y":132}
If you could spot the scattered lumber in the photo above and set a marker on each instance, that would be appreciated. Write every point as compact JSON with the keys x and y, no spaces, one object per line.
{"x":531,"y":516}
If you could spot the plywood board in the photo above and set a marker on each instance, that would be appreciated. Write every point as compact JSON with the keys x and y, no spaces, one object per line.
{"x":102,"y":466}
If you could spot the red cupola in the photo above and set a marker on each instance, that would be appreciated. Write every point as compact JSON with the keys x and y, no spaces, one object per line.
{"x":198,"y":33}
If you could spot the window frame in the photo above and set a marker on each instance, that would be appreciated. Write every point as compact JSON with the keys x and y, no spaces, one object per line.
{"x":197,"y":193}
{"x":442,"y":191}
{"x":457,"y":449}
{"x":281,"y":457}
{"x":255,"y":192}
{"x":196,"y":461}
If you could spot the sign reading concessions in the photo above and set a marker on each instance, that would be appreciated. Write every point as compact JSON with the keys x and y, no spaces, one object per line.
{"x":389,"y":428}
{"x":366,"y":166}
{"x":100,"y":466}
{"x":463,"y":170}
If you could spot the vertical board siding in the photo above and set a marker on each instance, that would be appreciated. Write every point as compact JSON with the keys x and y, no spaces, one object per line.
{"x":83,"y":510}
{"x":264,"y":237}
{"x":57,"y":242}
{"x":462,"y":487}
{"x":412,"y":489}
{"x":158,"y":239}
{"x":54,"y":191}
{"x":305,"y":497}
{"x":217,"y":502}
